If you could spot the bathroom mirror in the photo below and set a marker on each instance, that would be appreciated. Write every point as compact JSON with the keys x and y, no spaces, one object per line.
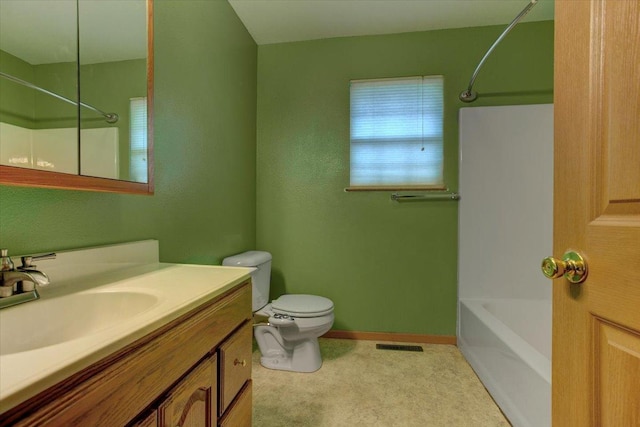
{"x":77,"y":91}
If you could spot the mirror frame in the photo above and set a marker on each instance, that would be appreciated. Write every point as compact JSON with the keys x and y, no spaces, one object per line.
{"x":10,"y":175}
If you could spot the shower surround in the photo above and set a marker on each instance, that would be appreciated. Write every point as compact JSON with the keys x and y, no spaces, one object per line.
{"x":505,"y":230}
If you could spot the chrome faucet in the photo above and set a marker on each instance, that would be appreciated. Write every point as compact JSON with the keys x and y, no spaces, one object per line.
{"x":9,"y":278}
{"x":13,"y":290}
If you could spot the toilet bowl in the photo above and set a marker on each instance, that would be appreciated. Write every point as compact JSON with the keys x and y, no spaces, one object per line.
{"x":289,"y":339}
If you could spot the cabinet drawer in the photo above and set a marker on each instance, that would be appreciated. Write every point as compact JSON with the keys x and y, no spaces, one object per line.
{"x":239,"y":414}
{"x":235,"y":365}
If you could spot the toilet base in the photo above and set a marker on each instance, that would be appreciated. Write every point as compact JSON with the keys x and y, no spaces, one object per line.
{"x":298,"y":356}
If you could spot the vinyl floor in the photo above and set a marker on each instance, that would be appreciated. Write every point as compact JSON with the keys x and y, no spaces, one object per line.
{"x":359,"y":385}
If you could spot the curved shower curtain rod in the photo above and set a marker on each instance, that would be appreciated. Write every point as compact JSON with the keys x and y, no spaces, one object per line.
{"x":469,"y":95}
{"x":109,"y":117}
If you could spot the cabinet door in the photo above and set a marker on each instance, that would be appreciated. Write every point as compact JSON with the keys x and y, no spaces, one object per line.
{"x":191,"y":402}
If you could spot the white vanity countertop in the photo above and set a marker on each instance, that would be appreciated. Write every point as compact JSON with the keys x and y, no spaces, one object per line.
{"x":170,"y":290}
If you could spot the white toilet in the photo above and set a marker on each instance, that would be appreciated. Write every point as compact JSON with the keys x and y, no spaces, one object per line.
{"x":289,"y":341}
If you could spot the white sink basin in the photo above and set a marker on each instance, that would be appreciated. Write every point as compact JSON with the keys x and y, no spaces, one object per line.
{"x":43,"y":323}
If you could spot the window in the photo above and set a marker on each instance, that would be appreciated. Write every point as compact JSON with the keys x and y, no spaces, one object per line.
{"x":138,"y":140}
{"x":396,"y":133}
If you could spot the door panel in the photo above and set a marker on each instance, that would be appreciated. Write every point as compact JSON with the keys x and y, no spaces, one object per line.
{"x":621,"y":120}
{"x":596,"y":324}
{"x":617,"y":358}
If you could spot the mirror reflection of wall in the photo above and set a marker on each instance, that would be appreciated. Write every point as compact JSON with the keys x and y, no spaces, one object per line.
{"x":38,"y":130}
{"x":113,"y":76}
{"x":38,"y":44}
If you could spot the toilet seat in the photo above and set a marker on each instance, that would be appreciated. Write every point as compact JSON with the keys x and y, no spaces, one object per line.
{"x":301,"y":305}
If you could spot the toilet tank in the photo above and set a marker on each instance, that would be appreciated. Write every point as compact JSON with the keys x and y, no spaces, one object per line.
{"x":260,"y":278}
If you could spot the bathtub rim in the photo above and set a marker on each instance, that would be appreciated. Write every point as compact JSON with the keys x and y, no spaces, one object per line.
{"x":525,"y":351}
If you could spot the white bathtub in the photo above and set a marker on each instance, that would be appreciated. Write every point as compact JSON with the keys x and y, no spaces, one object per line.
{"x":508,"y":344}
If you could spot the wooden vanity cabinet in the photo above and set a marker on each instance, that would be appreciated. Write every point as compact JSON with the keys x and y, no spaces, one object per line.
{"x":193,"y":372}
{"x":192,"y":402}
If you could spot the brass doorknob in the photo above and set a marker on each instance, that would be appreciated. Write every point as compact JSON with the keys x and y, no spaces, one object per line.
{"x":572,"y":266}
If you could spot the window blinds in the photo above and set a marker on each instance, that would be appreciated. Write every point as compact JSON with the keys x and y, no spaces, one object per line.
{"x":138,"y":140}
{"x":396,"y":131}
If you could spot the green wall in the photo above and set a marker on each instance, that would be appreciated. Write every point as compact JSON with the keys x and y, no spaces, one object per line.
{"x":60,"y":78}
{"x":388,"y":267}
{"x":25,"y":107}
{"x":204,"y":206}
{"x":16,"y":102}
{"x":28,"y":108}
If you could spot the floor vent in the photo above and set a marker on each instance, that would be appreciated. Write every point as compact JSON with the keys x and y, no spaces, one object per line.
{"x":399,"y":347}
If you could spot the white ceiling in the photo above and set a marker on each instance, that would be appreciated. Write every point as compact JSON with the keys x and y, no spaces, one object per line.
{"x":277,"y":21}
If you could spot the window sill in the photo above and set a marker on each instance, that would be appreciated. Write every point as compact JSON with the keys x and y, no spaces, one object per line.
{"x":397,"y":188}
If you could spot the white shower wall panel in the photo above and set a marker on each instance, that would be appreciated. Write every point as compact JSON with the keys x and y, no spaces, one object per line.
{"x":56,"y":150}
{"x":506,"y":209}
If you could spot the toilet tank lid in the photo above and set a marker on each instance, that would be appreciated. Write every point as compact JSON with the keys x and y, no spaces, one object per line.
{"x":302,"y":305}
{"x":247,"y":259}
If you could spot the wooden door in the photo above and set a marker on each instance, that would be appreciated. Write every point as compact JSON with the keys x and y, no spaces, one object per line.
{"x":596,"y":324}
{"x":191,"y":402}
